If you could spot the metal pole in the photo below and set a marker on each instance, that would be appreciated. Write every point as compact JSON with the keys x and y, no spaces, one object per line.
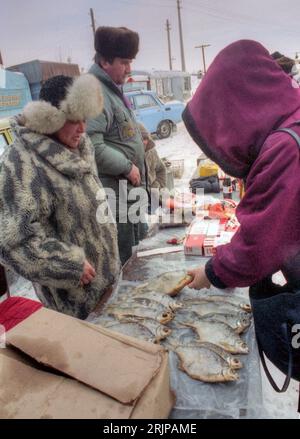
{"x":181,"y":37}
{"x":93,"y":21}
{"x":169,"y":45}
{"x":202,"y":47}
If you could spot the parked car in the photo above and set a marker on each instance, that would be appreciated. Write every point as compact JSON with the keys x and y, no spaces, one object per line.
{"x":156,"y":116}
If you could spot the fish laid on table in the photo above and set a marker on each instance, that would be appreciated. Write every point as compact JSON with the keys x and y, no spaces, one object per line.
{"x":137,"y":302}
{"x":234,"y":300}
{"x":187,"y":337}
{"x":170,"y":283}
{"x":233,"y":362}
{"x":202,"y":295}
{"x":204,"y":364}
{"x":140,"y":313}
{"x":164,"y":299}
{"x":238,"y":322}
{"x":203,"y":307}
{"x":149,"y":331}
{"x":220,"y":334}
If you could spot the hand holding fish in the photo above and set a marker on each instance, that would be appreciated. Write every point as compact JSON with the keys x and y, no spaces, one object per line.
{"x":199,"y":279}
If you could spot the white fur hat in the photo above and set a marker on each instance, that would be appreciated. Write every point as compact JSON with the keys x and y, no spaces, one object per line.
{"x":64,"y":98}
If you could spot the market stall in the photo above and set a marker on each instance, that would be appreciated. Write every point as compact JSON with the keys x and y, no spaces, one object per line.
{"x":194,"y":399}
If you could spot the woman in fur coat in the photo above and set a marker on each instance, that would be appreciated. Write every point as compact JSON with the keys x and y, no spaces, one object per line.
{"x":51,"y":231}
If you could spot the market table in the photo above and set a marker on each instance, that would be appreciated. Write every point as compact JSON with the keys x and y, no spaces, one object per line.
{"x":195,"y":399}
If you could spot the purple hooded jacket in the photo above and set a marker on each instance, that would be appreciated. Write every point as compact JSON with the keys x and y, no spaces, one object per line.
{"x":242,"y":99}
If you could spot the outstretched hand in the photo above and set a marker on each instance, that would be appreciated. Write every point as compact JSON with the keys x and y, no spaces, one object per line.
{"x":200,"y":279}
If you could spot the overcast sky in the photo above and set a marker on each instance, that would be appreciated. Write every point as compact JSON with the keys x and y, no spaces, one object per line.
{"x":57,"y":29}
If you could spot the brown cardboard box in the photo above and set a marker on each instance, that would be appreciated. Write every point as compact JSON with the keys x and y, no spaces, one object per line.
{"x":91,"y":372}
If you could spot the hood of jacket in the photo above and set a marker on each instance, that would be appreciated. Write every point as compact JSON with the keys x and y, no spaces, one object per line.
{"x":243,"y":97}
{"x":61,"y":158}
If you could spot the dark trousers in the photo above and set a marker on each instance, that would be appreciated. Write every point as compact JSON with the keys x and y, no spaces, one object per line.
{"x":129,"y":235}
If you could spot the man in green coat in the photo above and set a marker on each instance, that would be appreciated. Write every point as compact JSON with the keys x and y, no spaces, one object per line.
{"x":119,"y":148}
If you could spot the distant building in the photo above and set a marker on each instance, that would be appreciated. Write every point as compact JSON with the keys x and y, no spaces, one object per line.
{"x":167,"y":84}
{"x":37,"y":72}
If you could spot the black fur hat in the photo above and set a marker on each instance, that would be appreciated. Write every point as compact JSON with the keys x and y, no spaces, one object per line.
{"x":113,"y":42}
{"x":54,"y":90}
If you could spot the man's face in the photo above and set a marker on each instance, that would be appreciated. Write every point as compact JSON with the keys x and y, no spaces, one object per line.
{"x":118,"y":70}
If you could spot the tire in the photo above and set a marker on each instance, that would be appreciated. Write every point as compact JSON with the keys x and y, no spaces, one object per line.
{"x":164,"y":129}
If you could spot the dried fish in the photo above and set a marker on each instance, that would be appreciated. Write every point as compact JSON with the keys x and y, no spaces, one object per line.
{"x":220,"y":334}
{"x":170,"y":283}
{"x":234,"y":300}
{"x":150,"y":332}
{"x":133,"y":330}
{"x":165,"y":300}
{"x":233,"y":362}
{"x":203,"y":307}
{"x":238,"y":322}
{"x":187,"y":337}
{"x":204,"y":364}
{"x":137,"y":301}
{"x":160,"y":332}
{"x":140,"y":313}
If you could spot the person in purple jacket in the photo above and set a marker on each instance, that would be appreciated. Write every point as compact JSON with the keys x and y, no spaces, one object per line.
{"x":241,"y":102}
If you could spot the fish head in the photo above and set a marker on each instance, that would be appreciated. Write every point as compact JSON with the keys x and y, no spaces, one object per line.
{"x":230,"y":374}
{"x":176,"y":305}
{"x":246,"y":307}
{"x":163,"y":332}
{"x":235,"y":363}
{"x":242,"y":347}
{"x":244,"y":320}
{"x":166,"y":317}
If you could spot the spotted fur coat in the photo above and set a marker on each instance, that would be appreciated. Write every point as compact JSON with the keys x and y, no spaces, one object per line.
{"x":48,"y":221}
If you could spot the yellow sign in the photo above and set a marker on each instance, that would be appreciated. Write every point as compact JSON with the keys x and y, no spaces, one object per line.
{"x":10,"y":101}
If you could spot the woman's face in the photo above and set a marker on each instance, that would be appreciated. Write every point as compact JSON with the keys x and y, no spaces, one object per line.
{"x":70,"y":134}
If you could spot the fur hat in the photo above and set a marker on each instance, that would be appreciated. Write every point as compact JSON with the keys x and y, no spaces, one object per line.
{"x":113,"y":42}
{"x":63,"y":98}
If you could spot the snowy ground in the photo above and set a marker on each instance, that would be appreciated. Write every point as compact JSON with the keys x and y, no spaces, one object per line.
{"x":181,"y":146}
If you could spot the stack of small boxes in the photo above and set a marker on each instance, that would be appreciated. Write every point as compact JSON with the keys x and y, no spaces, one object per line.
{"x":205,"y":235}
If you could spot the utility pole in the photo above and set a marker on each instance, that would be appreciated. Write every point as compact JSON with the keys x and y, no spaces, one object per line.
{"x":169,"y":44}
{"x":93,"y":26}
{"x":1,"y":60}
{"x":203,"y":46}
{"x":181,"y":37}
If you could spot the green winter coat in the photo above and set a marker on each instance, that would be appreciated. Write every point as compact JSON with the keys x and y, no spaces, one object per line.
{"x":115,"y":136}
{"x":48,"y":221}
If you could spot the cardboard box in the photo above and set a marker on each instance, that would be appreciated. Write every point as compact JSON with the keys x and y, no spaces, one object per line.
{"x":209,"y":247}
{"x":193,"y":245}
{"x":74,"y":369}
{"x":213,"y":228}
